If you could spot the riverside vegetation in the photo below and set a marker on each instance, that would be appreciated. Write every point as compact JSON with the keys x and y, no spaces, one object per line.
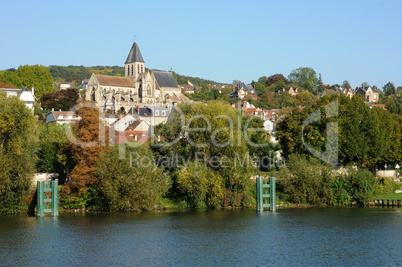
{"x":179,"y":171}
{"x":99,"y":179}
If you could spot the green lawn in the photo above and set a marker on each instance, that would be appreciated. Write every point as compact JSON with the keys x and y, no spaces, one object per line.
{"x":390,"y":196}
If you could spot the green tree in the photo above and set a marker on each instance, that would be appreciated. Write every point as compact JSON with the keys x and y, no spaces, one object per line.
{"x":306,"y":77}
{"x":320,"y":85}
{"x":211,"y":136}
{"x":346,"y":84}
{"x":52,"y":139}
{"x":130,"y":186}
{"x":365,"y":84}
{"x":389,"y":89}
{"x":36,"y":76}
{"x":17,"y":151}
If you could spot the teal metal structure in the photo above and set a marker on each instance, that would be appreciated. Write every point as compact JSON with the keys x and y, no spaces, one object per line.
{"x":266,"y":194}
{"x":46,"y":203}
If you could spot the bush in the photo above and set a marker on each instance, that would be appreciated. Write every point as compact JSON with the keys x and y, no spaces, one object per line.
{"x":126,"y":186}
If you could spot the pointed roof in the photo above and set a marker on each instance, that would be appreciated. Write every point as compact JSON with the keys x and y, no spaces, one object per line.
{"x":134,"y":55}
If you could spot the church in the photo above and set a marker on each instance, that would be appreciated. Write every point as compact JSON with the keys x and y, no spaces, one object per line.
{"x":138,"y":88}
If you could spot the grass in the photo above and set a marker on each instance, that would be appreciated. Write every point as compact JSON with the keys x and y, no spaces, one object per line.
{"x":390,"y":196}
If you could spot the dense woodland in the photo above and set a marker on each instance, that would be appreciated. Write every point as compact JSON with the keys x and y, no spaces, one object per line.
{"x":185,"y":168}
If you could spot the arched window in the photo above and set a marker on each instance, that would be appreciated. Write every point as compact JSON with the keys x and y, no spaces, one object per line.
{"x":132,"y":70}
{"x":128,"y":70}
{"x":138,"y":68}
{"x":142,"y":68}
{"x":149,"y":92}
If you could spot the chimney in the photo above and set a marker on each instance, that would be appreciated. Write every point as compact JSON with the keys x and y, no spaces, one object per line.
{"x":33,"y":91}
{"x":121,"y":116}
{"x":138,"y":110}
{"x":233,"y":88}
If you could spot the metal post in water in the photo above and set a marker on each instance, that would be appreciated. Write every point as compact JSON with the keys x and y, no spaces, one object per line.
{"x":272,"y":194}
{"x":40,"y":212}
{"x":55,"y":198}
{"x":258,"y":183}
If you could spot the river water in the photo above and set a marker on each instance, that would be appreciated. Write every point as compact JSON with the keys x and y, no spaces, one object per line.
{"x":287,"y":237}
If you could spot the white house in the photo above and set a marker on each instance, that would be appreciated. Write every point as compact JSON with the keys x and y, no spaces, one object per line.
{"x":62,"y":117}
{"x":23,"y":94}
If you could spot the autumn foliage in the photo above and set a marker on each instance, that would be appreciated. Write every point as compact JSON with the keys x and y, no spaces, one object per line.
{"x":89,"y":140}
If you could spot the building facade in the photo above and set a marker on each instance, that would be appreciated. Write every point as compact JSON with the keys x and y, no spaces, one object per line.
{"x":139,"y":87}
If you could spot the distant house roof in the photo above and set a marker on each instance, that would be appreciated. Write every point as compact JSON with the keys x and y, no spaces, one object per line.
{"x":329,"y":91}
{"x":165,"y":79}
{"x":6,"y":85}
{"x":62,"y":117}
{"x":114,"y":80}
{"x":186,"y":87}
{"x":247,"y":88}
{"x":153,"y":111}
{"x":134,"y":55}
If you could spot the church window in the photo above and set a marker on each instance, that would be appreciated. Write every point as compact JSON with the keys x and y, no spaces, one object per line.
{"x":142,"y":68}
{"x":128,"y":70}
{"x":149,"y":92}
{"x":132,"y":70}
{"x":138,"y":67}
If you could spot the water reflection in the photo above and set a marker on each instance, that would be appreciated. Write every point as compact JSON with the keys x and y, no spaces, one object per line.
{"x":335,"y":236}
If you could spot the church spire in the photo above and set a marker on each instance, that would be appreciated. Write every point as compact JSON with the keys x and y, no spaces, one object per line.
{"x":134,"y":55}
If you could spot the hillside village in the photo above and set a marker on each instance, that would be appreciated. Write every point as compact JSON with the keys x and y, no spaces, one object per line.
{"x":134,"y":105}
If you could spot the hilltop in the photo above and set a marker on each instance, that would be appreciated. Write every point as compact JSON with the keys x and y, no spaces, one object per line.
{"x":78,"y":73}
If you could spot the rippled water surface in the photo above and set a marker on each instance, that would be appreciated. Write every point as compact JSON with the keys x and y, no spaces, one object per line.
{"x":287,"y":237}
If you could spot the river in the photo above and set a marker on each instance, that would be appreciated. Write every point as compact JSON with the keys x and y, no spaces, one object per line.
{"x":287,"y":237}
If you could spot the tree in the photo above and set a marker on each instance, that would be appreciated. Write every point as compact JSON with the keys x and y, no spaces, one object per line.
{"x":262,"y":79}
{"x":389,"y":89}
{"x":365,"y":84}
{"x":63,"y":99}
{"x":85,"y":151}
{"x":17,"y":153}
{"x":217,"y":149}
{"x":275,"y":79}
{"x":346,"y":84}
{"x":52,"y":139}
{"x":306,"y":77}
{"x":36,"y":76}
{"x":320,"y":85}
{"x":128,"y":186}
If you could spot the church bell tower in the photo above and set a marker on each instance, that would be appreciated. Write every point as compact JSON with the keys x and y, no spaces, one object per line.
{"x":135,"y":64}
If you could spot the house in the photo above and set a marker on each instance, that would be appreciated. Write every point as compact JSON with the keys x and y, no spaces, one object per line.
{"x":84,"y":84}
{"x":290,"y":89}
{"x":383,"y":106}
{"x":122,"y":123}
{"x":242,"y":90}
{"x":328,"y":92}
{"x":62,"y":117}
{"x":369,"y":94}
{"x":153,"y":115}
{"x":186,"y":88}
{"x":111,"y":118}
{"x":63,"y":85}
{"x":137,"y":130}
{"x":138,"y":88}
{"x":346,"y":91}
{"x":243,"y":105}
{"x":23,"y":94}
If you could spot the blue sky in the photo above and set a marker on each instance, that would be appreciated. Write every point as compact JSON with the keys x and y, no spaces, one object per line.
{"x":358,"y":41}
